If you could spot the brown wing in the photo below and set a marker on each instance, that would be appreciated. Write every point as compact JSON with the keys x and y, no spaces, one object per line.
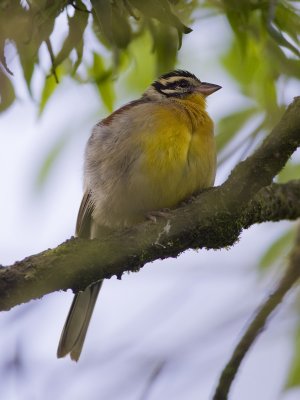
{"x":84,"y":218}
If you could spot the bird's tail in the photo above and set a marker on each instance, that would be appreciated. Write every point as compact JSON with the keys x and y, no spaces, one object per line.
{"x":77,"y":322}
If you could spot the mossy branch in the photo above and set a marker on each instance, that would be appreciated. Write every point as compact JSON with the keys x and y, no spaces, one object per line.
{"x":213,"y":220}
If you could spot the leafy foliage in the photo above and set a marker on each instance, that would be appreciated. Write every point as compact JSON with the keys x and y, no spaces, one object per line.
{"x":115,"y":25}
{"x":258,"y":58}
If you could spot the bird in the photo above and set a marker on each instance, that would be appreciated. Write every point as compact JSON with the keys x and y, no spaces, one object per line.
{"x":151,"y":154}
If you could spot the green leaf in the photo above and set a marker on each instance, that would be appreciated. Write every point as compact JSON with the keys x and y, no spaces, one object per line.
{"x":49,"y":161}
{"x":165,"y":46}
{"x":79,"y":52}
{"x":74,"y":40}
{"x":37,"y":27}
{"x":143,"y":73}
{"x":160,"y":10}
{"x":238,"y":14}
{"x":102,"y":13}
{"x":255,"y":74}
{"x":50,"y":86}
{"x":293,"y":379}
{"x":229,"y":126}
{"x":280,"y":61}
{"x":287,"y":19}
{"x":120,"y":27}
{"x":112,"y":22}
{"x":28,"y":57}
{"x":7,"y":93}
{"x":242,"y":68}
{"x":281,"y":40}
{"x":103,"y":79}
{"x":2,"y":56}
{"x":278,"y":249}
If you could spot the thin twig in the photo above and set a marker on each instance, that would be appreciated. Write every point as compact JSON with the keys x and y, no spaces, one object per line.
{"x":258,"y":323}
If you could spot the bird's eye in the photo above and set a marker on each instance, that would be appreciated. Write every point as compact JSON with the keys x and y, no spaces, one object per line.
{"x":183,"y":84}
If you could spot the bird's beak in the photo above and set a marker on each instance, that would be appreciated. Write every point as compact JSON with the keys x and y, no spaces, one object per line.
{"x":206,"y":88}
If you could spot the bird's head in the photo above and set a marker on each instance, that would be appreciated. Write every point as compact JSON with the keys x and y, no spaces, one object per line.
{"x":181,"y":85}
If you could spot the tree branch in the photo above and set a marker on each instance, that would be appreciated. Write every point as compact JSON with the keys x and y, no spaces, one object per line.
{"x":214,"y":219}
{"x":258,"y":323}
{"x":273,"y":203}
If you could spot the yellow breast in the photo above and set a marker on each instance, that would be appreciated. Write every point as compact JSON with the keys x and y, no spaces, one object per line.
{"x":179,"y":149}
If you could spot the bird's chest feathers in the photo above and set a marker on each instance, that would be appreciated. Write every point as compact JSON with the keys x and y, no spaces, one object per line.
{"x":180,"y":150}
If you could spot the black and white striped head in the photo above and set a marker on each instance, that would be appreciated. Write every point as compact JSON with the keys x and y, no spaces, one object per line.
{"x":179,"y":84}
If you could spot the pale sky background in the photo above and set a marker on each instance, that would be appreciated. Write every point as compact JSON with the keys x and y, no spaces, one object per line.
{"x":182,"y":315}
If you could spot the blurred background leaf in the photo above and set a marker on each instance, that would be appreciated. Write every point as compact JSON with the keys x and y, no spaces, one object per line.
{"x":293,"y":378}
{"x":279,"y":249}
{"x":7,"y":93}
{"x":49,"y":161}
{"x":114,"y":23}
{"x":102,"y":77}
